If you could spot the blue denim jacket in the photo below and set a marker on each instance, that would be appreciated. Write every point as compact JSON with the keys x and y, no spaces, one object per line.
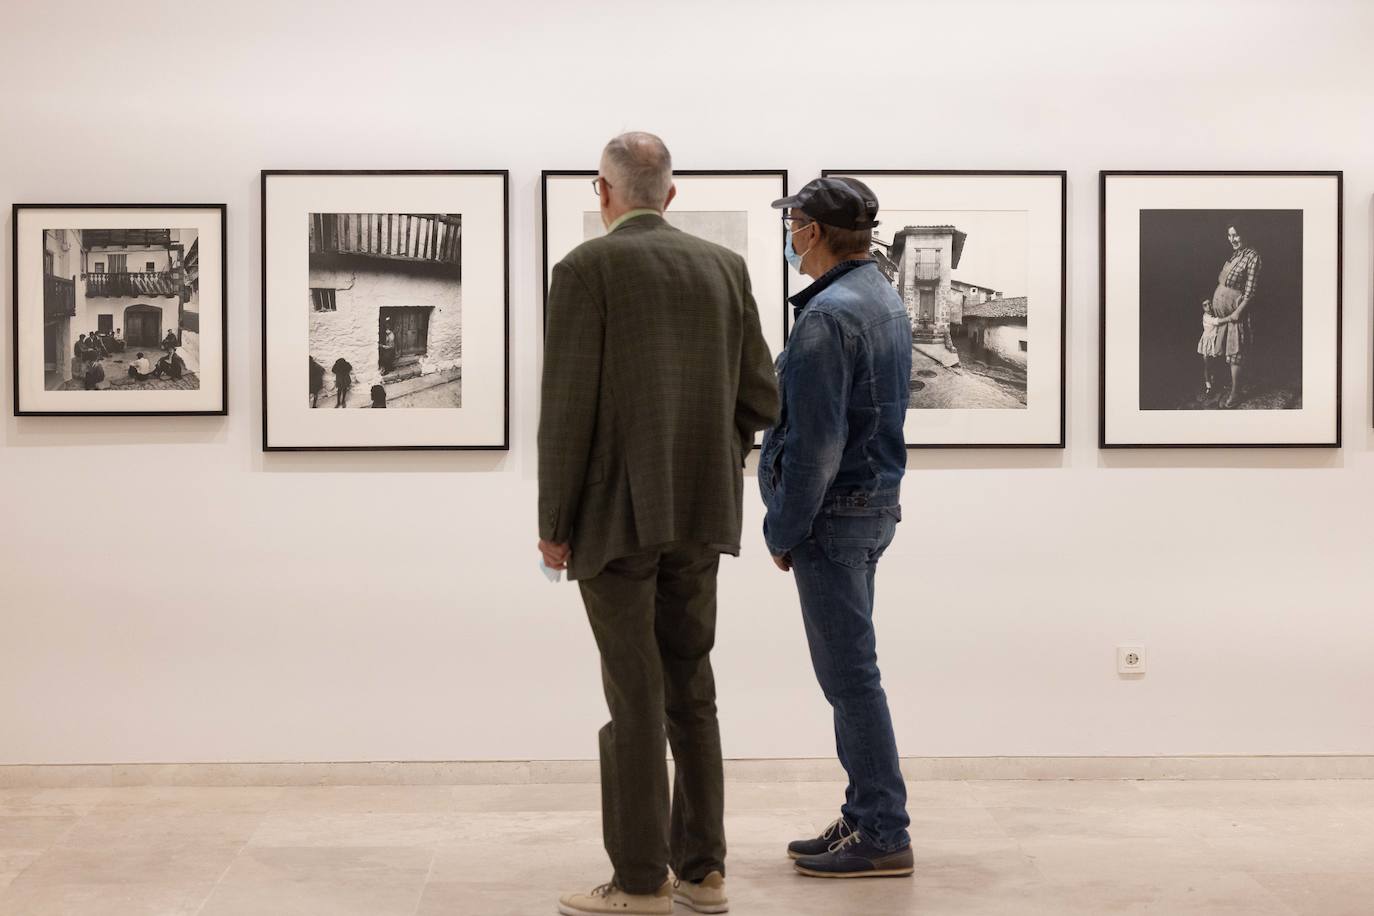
{"x":845,"y":380}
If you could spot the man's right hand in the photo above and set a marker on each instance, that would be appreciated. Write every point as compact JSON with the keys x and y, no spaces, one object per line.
{"x":783,"y":562}
{"x":555,"y":555}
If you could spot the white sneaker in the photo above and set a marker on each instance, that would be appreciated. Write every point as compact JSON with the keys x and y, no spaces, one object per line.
{"x":610,"y":899}
{"x":704,"y":896}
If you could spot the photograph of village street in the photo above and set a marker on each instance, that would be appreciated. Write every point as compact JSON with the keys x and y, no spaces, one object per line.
{"x":385,"y":307}
{"x":963,"y":276}
{"x":121,"y":309}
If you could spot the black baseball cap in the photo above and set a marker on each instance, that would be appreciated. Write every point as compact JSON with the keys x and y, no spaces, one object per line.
{"x":846,"y":203}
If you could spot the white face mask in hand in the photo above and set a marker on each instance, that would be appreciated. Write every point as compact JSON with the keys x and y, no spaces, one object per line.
{"x":553,"y":575}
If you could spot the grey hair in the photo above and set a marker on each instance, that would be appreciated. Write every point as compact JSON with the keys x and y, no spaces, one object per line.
{"x":641,"y":168}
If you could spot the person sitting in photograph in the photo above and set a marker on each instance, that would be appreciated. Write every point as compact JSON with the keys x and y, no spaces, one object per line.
{"x":79,"y":357}
{"x":343,"y":380}
{"x":378,"y":396}
{"x":140,"y":369}
{"x":118,"y":341}
{"x":95,"y":377}
{"x":169,"y":343}
{"x":1230,"y":303}
{"x":97,"y":342}
{"x":171,"y":366}
{"x":316,"y":381}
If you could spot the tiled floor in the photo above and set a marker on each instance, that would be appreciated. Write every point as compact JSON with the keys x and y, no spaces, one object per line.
{"x":1000,"y":848}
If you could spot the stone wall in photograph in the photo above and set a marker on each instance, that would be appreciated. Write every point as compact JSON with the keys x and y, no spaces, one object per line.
{"x":351,"y":331}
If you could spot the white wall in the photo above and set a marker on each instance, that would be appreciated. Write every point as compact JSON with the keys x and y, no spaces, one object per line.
{"x":282,"y":619}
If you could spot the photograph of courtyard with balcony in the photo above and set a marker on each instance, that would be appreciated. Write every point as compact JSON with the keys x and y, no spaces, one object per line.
{"x":385,"y":310}
{"x":121,"y":309}
{"x":963,"y":276}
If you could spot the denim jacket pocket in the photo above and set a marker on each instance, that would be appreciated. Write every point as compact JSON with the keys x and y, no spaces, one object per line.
{"x":770,"y":461}
{"x":857,"y":537}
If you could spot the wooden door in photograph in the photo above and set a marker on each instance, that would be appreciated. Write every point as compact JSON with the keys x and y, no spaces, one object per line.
{"x":411,"y":326}
{"x":142,"y":326}
{"x":926,"y":313}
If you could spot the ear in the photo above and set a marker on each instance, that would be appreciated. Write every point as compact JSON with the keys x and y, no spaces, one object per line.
{"x":672,"y":192}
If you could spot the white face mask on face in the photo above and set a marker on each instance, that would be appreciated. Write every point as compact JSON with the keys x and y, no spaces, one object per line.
{"x":790,"y":252}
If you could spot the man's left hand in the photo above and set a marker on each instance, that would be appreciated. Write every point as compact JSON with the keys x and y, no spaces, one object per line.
{"x":555,"y":555}
{"x":783,"y":562}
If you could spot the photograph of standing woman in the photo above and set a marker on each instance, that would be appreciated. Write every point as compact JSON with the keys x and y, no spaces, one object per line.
{"x":1221,"y":310}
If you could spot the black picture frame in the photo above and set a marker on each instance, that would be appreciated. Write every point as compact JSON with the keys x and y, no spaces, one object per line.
{"x":504,"y":175}
{"x":1104,"y":176}
{"x":15,"y":276}
{"x":589,"y":174}
{"x":1063,"y":176}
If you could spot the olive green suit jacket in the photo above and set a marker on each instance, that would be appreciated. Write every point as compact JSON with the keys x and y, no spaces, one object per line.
{"x":656,"y":378}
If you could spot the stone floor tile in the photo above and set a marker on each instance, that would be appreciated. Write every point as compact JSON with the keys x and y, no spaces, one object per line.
{"x":491,"y":799}
{"x":190,"y":800}
{"x":1203,"y":894}
{"x":1125,"y":860}
{"x":50,"y":802}
{"x":283,"y":881}
{"x":133,"y":828}
{"x":300,"y":828}
{"x":1350,"y":894}
{"x":128,"y":899}
{"x":20,"y":832}
{"x":1063,"y":793}
{"x":368,"y":799}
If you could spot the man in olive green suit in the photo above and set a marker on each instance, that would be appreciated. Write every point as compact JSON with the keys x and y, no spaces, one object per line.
{"x":656,"y":378}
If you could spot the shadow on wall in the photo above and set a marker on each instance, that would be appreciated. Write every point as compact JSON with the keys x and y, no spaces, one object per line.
{"x":84,"y":432}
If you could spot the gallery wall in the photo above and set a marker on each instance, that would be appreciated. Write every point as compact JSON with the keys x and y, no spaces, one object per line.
{"x":170,"y":593}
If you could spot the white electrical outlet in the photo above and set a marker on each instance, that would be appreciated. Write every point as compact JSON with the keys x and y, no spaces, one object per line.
{"x":1130,"y":659}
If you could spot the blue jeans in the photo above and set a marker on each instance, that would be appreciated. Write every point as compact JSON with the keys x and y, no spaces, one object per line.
{"x":834,"y":571}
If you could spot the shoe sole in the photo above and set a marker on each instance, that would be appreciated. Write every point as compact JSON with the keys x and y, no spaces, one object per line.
{"x":702,"y":907}
{"x":879,"y":873}
{"x":794,"y":856}
{"x":565,"y":910}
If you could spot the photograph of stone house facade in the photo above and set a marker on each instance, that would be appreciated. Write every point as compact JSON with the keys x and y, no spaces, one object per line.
{"x":121,"y":309}
{"x":385,"y":310}
{"x":963,"y":276}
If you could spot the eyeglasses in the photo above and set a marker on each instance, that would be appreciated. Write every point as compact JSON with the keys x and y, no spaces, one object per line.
{"x":598,"y":182}
{"x":798,"y":219}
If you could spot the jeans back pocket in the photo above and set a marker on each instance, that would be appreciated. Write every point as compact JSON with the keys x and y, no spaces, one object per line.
{"x":857,"y":537}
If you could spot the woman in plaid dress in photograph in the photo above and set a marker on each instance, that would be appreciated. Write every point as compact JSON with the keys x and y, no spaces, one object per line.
{"x":1227,"y":329}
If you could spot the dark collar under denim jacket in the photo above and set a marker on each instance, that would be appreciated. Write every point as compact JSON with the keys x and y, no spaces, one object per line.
{"x":845,"y":381}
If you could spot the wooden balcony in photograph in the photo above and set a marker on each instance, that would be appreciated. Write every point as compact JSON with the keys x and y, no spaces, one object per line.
{"x":126,"y":238}
{"x":926,"y":270}
{"x":427,"y":238}
{"x":132,"y":284}
{"x":59,"y":297}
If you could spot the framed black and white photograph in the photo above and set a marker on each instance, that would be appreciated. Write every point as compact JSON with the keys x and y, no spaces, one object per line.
{"x":385,"y":290}
{"x":730,"y":208}
{"x":979,"y":259}
{"x":1221,"y":309}
{"x":119,"y":309}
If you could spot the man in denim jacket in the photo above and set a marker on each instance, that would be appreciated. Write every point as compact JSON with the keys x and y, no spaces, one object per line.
{"x":831,"y":473}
